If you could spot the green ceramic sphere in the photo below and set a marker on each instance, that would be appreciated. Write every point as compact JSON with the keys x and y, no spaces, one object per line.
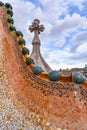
{"x":10,"y":12}
{"x":21,"y":41}
{"x":37,"y":70}
{"x":1,"y":3}
{"x":25,"y":51}
{"x":29,"y":61}
{"x":10,"y":20}
{"x":19,"y":33}
{"x":8,"y":6}
{"x":54,"y":75}
{"x":78,"y":78}
{"x":12,"y":28}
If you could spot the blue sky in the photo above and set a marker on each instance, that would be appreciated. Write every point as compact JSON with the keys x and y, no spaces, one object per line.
{"x":64,"y":40}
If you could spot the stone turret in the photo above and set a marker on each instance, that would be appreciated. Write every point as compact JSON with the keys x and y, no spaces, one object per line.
{"x":85,"y":71}
{"x":36,"y":54}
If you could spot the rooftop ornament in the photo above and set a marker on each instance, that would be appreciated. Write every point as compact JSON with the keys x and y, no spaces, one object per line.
{"x":37,"y":28}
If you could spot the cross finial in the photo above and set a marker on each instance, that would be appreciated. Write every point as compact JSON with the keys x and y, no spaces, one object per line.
{"x":35,"y":27}
{"x":36,"y":54}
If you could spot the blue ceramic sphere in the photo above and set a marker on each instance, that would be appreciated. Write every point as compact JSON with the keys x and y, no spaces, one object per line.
{"x":78,"y":78}
{"x":54,"y":75}
{"x":37,"y":70}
